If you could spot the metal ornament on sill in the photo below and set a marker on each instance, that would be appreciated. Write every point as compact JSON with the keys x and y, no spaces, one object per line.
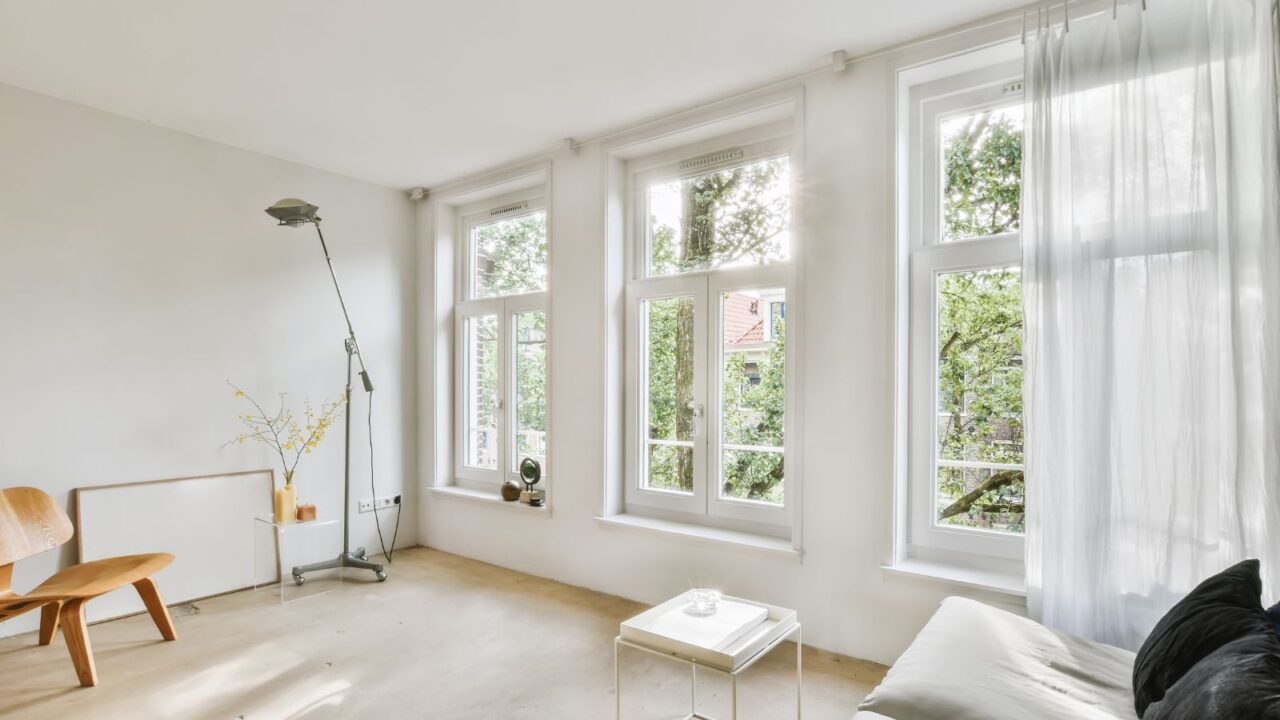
{"x":510,"y":491}
{"x":530,"y":474}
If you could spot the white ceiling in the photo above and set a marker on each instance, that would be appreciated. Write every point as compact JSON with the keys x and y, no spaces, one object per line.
{"x":416,"y":92}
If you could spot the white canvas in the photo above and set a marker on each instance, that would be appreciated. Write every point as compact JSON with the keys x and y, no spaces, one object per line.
{"x":205,"y":522}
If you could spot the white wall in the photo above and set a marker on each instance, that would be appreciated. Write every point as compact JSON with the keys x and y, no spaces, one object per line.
{"x":138,"y":273}
{"x":846,"y":602}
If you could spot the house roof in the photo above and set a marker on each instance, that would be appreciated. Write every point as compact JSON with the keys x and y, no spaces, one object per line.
{"x":743,"y":320}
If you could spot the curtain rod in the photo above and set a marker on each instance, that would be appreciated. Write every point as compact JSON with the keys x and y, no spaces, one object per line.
{"x":1047,"y":9}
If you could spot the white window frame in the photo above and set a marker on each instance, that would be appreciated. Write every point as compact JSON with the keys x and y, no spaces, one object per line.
{"x":704,"y":505}
{"x":505,"y":308}
{"x":928,"y":258}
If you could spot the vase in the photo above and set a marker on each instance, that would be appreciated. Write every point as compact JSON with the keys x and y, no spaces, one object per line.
{"x":287,"y":503}
{"x":510,"y":491}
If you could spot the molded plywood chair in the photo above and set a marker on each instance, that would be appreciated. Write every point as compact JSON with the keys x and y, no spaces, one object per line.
{"x":31,"y":523}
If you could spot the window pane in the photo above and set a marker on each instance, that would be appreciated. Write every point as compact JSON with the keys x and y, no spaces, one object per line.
{"x":482,"y":391}
{"x":999,"y":505}
{"x":981,"y":173}
{"x":733,"y":217}
{"x":668,"y":379}
{"x":509,"y":256}
{"x":670,"y":467}
{"x":531,"y":387}
{"x":979,"y":432}
{"x":753,"y":394}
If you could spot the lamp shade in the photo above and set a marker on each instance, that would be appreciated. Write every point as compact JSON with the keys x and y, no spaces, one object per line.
{"x":293,"y":212}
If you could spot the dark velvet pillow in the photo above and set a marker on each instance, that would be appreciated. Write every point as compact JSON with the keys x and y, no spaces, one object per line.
{"x":1240,"y":680}
{"x":1274,"y":613}
{"x":1226,"y":607}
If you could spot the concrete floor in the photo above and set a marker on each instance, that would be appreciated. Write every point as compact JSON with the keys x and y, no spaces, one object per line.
{"x":445,"y":637}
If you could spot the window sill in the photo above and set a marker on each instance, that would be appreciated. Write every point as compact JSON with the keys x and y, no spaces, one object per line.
{"x":989,"y":580}
{"x":776,"y":547}
{"x":489,"y":499}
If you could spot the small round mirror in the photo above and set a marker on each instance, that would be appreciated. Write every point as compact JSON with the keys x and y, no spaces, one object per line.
{"x":530,"y":472}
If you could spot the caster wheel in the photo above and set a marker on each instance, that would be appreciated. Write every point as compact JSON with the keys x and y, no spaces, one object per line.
{"x":298,"y":579}
{"x":382,"y":576}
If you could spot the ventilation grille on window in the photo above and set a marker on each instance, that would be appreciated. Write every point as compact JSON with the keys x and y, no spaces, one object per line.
{"x":712,"y":159}
{"x":507,"y":209}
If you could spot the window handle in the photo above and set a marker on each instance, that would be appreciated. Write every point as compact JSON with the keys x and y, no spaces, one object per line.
{"x":697,"y":409}
{"x":499,"y":406}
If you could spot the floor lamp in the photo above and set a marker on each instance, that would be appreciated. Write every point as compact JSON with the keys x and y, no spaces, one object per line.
{"x":292,"y":212}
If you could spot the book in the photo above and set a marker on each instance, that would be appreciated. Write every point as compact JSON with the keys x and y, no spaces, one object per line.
{"x":730,"y":622}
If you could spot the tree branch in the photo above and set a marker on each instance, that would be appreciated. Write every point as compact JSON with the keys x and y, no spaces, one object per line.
{"x":998,"y":480}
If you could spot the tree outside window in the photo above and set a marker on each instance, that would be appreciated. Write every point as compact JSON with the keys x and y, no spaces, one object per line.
{"x":979,"y":432}
{"x":729,"y":218}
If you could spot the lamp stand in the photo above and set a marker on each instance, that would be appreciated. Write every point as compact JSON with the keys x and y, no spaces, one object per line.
{"x":358,"y":559}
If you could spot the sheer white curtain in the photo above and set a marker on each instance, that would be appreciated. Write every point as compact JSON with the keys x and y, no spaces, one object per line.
{"x":1151,"y":264}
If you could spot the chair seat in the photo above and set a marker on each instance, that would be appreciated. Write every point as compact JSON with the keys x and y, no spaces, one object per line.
{"x":31,"y":523}
{"x":97,"y":577}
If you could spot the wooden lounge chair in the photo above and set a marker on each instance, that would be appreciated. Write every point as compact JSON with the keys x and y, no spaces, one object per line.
{"x":31,"y":523}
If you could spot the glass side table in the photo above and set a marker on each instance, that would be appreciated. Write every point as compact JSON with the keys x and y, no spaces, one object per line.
{"x":702,"y":641}
{"x":296,"y":543}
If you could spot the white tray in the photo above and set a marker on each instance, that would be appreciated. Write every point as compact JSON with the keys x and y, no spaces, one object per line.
{"x":779,"y":622}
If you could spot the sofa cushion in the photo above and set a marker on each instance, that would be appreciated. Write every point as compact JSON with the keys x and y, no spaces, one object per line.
{"x":974,"y":662}
{"x":1238,"y":680}
{"x":1273,"y":614}
{"x":1221,"y":609}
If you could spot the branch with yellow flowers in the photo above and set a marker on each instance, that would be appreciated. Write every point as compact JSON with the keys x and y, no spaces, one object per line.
{"x":283,"y":433}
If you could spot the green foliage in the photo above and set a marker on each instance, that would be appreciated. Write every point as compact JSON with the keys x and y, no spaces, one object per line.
{"x":728,"y":217}
{"x":670,"y":468}
{"x":511,"y":256}
{"x":982,"y":162}
{"x":980,"y":365}
{"x":482,"y":373}
{"x":980,"y":329}
{"x":531,"y":386}
{"x":753,"y":415}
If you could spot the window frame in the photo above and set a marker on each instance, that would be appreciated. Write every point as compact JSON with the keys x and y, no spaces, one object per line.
{"x":705,"y":505}
{"x":505,"y":308}
{"x":928,"y":258}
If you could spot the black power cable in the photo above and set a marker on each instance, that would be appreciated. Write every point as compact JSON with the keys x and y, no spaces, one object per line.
{"x":373,"y":486}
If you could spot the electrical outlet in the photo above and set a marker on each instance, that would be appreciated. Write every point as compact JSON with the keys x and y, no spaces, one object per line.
{"x":382,"y":503}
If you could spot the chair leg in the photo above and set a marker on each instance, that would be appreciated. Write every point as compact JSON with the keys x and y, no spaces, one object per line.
{"x":49,"y":621}
{"x":76,"y":633}
{"x":159,"y":613}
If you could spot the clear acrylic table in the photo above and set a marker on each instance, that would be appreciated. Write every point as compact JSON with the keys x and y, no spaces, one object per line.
{"x":291,"y":536}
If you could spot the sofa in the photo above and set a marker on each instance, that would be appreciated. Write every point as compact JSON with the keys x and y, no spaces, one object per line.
{"x":975,"y":662}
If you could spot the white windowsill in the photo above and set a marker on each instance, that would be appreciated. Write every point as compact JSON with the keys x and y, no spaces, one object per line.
{"x":776,"y":547}
{"x":989,"y":580}
{"x":490,"y":499}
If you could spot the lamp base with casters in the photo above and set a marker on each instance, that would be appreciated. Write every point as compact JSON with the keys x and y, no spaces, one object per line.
{"x":358,"y":559}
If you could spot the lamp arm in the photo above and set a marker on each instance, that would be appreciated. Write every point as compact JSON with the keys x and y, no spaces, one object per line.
{"x":351,"y":333}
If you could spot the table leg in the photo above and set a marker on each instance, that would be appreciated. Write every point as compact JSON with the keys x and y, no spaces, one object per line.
{"x":799,"y":675}
{"x":733,"y":697}
{"x":253,"y":553}
{"x":280,"y":560}
{"x":693,"y":691}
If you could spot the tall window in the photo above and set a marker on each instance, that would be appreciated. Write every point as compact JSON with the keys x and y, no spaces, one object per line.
{"x":501,"y":389}
{"x":966,"y":477}
{"x":707,"y":342}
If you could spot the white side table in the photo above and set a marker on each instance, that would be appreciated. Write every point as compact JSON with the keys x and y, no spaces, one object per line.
{"x":286,"y":533}
{"x":731,"y":659}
